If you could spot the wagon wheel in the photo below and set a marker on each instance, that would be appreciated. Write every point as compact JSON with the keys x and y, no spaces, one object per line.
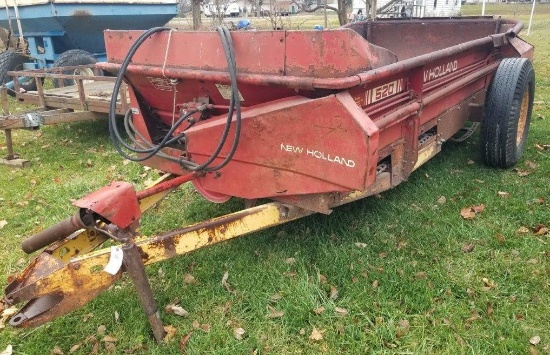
{"x":11,"y":60}
{"x":73,"y":58}
{"x":508,"y":111}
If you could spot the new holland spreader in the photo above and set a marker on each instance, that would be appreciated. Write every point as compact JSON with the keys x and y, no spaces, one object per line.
{"x":307,"y":120}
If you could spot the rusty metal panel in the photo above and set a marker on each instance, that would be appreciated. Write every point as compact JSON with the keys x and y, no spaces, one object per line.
{"x":116,"y":202}
{"x":320,"y":54}
{"x":293,"y":146}
{"x":408,"y":39}
{"x":332,"y":54}
{"x":255,"y":52}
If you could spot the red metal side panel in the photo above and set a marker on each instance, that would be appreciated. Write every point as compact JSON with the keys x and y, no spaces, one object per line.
{"x":259,"y":52}
{"x":332,"y":54}
{"x":320,"y":54}
{"x":292,"y":146}
{"x":410,"y":39}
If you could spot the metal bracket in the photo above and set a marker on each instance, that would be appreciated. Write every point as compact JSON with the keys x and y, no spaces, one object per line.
{"x":33,"y":120}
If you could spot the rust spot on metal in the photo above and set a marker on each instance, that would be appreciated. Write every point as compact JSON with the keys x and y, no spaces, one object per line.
{"x":82,"y":13}
{"x":144,"y":255}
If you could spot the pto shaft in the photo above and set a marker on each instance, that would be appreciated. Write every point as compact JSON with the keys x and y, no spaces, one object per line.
{"x":57,"y":232}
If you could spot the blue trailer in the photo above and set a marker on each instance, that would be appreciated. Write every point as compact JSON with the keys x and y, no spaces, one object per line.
{"x":58,"y":33}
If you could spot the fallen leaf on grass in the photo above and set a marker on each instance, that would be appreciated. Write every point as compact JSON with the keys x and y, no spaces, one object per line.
{"x":316,"y":335}
{"x":275,"y":298}
{"x":522,"y":173}
{"x":531,"y":165}
{"x":468,"y":248}
{"x":74,"y":348}
{"x":3,"y":223}
{"x":475,"y":316}
{"x":238,"y":333}
{"x":6,"y":313}
{"x":333,"y":294}
{"x":361,"y":245}
{"x":170,"y":332}
{"x":319,"y":310}
{"x":472,"y":211}
{"x":56,"y":351}
{"x":189,"y":279}
{"x":341,"y":311}
{"x":273,"y":313}
{"x":400,"y":244}
{"x":403,"y":328}
{"x":95,"y":344}
{"x":421,"y":275}
{"x":290,"y":273}
{"x":176,"y":309}
{"x":8,"y":350}
{"x":534,"y":340}
{"x":540,"y":229}
{"x":542,"y":147}
{"x":503,"y":194}
{"x":290,"y":261}
{"x":522,"y":230}
{"x":441,"y":200}
{"x":226,"y":284}
{"x":183,"y":342}
{"x":101,"y":329}
{"x":539,"y":201}
{"x":490,"y":310}
{"x":322,"y":279}
{"x":109,"y":339}
{"x":488,"y":284}
{"x":375,"y":284}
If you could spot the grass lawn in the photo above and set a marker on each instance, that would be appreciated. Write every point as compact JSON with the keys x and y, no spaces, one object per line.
{"x":402,"y":273}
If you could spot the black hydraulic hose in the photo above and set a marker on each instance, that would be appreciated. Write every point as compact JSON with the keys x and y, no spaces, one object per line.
{"x":235,"y":102}
{"x":113,"y":130}
{"x":152,"y":150}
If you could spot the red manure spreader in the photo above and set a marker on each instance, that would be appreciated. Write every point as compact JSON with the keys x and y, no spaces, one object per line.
{"x":308,"y":120}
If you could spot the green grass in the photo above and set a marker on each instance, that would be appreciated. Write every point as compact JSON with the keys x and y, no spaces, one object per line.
{"x":412,"y":289}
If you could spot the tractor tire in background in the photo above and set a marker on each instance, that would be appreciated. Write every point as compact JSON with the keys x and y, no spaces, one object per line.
{"x":507,"y":116}
{"x":11,"y":60}
{"x":71,"y":58}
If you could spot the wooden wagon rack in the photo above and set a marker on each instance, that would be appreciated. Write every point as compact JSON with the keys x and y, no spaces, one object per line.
{"x":88,"y":99}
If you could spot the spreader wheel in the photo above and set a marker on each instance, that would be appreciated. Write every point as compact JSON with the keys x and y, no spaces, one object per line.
{"x":508,"y":109}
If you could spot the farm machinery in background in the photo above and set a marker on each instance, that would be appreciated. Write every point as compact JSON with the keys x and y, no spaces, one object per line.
{"x":308,"y":120}
{"x":43,"y":34}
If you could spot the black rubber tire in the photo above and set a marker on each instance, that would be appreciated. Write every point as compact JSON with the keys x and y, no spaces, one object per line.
{"x":507,"y":114}
{"x":71,"y":58}
{"x":11,"y":60}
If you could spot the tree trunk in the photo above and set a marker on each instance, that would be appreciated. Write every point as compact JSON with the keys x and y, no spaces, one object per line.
{"x":342,"y":15}
{"x":373,"y":9}
{"x":196,"y":10}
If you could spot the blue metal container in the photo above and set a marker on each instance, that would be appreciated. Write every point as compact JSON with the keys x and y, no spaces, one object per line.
{"x":52,"y":28}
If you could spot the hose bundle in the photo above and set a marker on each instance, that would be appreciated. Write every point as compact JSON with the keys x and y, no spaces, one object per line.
{"x":149,"y":149}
